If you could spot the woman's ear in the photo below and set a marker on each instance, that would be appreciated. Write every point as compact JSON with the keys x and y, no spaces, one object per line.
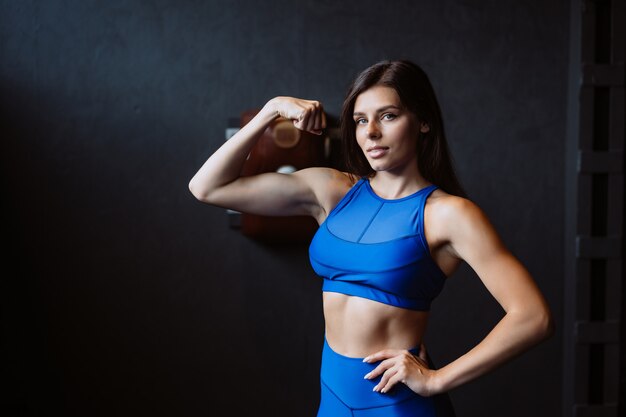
{"x":424,"y":127}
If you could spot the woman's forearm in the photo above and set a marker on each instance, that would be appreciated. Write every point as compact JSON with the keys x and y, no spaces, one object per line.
{"x":224,"y":166}
{"x":515,"y":333}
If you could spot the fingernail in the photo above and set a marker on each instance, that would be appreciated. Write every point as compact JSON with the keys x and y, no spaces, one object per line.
{"x":366,"y":359}
{"x":367,"y":376}
{"x":374,"y":389}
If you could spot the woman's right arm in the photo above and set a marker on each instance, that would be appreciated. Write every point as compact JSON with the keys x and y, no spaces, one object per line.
{"x":218,"y":181}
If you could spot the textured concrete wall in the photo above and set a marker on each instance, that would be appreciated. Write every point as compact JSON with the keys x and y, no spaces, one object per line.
{"x":131,"y":298}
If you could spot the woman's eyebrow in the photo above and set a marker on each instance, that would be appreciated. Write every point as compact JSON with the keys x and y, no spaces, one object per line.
{"x":380,"y":110}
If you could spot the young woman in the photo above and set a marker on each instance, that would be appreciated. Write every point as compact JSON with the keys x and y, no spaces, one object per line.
{"x":391,"y":230}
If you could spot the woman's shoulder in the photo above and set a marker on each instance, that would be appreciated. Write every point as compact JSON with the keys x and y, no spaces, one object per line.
{"x":329,"y":184}
{"x":446,"y":201}
{"x":453,"y":212}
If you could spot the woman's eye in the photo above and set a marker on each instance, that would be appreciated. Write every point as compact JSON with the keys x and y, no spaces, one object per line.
{"x":389,"y":116}
{"x":360,"y":121}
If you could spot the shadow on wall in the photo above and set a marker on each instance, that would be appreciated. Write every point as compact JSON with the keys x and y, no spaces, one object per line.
{"x":122,"y":297}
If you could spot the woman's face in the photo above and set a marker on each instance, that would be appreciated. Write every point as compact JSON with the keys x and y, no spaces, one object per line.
{"x":386,"y":132}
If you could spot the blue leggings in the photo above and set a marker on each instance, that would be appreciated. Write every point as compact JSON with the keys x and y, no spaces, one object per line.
{"x":346,"y":394}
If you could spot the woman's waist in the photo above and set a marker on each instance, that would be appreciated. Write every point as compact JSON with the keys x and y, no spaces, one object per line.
{"x":344,"y":377}
{"x":357,"y":327}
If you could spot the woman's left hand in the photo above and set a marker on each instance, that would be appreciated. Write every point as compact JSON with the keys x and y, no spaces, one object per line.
{"x":402,"y":366}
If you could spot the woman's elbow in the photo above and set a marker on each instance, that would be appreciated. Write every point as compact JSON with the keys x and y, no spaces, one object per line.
{"x":198,"y":192}
{"x":537,"y":323}
{"x":544,"y":324}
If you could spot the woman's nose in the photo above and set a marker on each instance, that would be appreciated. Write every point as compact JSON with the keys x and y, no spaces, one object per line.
{"x":372,"y":130}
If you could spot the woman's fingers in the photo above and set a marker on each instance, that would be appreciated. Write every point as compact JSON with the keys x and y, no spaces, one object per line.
{"x":388,"y":358}
{"x":380,"y":369}
{"x":303,"y":119}
{"x":307,"y":115}
{"x":314,"y":123}
{"x":388,"y":383}
{"x":320,"y":120}
{"x":381,"y":354}
{"x":402,"y":367}
{"x":385,"y":385}
{"x":313,"y":114}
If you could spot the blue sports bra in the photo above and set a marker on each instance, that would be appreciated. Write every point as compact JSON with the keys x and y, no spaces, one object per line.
{"x":375,"y":248}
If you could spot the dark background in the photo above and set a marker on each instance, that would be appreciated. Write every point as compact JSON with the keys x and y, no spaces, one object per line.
{"x":123,"y":295}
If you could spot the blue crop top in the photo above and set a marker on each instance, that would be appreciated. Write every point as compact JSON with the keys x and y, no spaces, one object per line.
{"x":375,"y":248}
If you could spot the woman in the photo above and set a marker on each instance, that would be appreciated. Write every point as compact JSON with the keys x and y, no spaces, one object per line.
{"x":392,"y":229}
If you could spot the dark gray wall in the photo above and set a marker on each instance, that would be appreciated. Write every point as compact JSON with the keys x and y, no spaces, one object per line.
{"x":131,"y":298}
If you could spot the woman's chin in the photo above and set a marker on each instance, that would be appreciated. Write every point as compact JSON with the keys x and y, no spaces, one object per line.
{"x":377,"y":166}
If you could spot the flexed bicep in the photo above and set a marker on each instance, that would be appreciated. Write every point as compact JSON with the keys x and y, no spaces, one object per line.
{"x":270,"y":194}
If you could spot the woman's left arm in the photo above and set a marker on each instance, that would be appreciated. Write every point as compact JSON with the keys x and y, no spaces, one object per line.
{"x":527,"y":321}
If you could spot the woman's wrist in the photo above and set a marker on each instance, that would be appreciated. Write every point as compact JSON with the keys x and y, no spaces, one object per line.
{"x":437,"y":382}
{"x":271,"y":109}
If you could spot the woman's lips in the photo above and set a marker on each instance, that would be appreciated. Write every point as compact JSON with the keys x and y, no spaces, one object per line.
{"x":377,"y":152}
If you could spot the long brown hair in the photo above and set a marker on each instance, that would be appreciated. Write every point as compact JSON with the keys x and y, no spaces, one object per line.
{"x":417,"y":95}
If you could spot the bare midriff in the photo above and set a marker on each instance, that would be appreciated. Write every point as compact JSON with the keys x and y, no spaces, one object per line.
{"x":357,"y":327}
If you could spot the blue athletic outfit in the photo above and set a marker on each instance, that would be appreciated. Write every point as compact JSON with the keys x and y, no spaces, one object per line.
{"x":375,"y":248}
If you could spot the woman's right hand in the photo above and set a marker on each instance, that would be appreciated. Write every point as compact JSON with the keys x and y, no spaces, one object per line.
{"x":307,"y":115}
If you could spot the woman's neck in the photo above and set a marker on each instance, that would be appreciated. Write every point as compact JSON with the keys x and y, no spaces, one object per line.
{"x":392,"y":186}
